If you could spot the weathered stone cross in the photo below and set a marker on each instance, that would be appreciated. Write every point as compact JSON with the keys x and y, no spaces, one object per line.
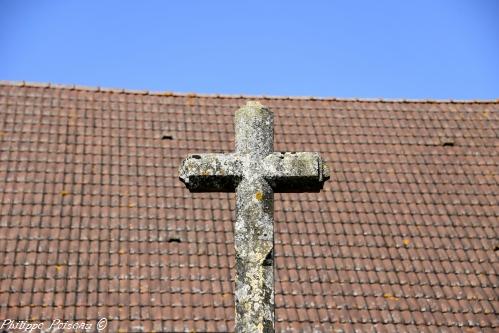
{"x":254,"y":172}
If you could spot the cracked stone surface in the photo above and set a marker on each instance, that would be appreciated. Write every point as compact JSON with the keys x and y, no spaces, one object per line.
{"x":254,"y":172}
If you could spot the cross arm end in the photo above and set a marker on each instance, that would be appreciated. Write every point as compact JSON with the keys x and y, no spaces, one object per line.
{"x":210,"y":172}
{"x":296,"y":172}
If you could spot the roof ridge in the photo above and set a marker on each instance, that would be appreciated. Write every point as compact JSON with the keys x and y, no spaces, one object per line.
{"x":183,"y":94}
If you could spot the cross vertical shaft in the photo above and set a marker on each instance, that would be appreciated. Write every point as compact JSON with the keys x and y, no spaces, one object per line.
{"x":254,"y":228}
{"x":254,"y":172}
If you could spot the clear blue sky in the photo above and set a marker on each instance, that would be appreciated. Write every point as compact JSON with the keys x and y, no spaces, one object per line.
{"x":390,"y":49}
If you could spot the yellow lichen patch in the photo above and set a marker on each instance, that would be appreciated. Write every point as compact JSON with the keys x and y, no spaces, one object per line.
{"x":390,"y":297}
{"x":58,"y":268}
{"x":259,"y":196}
{"x":406,"y":242}
{"x":131,"y":205}
{"x":64,"y":193}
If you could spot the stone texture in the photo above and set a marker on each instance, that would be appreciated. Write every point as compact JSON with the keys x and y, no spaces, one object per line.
{"x":295,"y":172}
{"x":211,"y":172}
{"x":254,"y":228}
{"x":254,"y":171}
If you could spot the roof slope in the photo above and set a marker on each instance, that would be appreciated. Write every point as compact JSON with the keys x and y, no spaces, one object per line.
{"x":95,"y":223}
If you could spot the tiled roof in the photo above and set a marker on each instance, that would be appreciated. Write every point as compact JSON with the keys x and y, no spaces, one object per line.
{"x":95,"y":223}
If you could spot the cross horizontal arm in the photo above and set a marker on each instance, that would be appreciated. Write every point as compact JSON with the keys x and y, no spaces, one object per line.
{"x":211,"y":172}
{"x":295,"y":172}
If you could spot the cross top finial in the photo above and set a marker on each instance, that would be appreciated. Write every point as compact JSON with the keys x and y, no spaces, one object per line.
{"x":254,"y":125}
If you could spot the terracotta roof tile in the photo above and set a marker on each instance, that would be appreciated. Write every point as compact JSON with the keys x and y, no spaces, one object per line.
{"x":94,"y":222}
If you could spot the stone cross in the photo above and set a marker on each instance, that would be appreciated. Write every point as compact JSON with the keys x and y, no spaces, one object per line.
{"x":254,"y":172}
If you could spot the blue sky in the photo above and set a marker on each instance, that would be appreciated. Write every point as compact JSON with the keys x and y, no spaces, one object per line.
{"x":390,"y":49}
